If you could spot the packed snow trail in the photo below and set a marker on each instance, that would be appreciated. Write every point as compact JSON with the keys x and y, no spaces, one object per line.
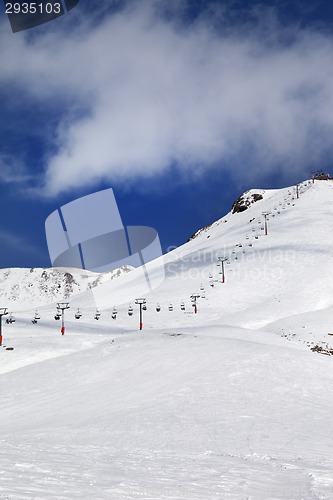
{"x":228,"y":403}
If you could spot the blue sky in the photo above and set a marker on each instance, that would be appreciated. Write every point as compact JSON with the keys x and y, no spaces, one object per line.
{"x":179,"y":106}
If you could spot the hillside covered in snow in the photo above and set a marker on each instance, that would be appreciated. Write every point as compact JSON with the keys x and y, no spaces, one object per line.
{"x":232,"y":401}
{"x":29,"y":288}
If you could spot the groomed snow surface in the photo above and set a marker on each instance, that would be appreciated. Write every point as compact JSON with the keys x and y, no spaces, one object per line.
{"x":228,"y":403}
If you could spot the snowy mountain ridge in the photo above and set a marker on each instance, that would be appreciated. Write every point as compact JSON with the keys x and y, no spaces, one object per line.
{"x":35,"y":287}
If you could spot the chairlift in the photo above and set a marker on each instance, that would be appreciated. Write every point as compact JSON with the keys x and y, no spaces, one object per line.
{"x":130,"y":310}
{"x":10,"y":320}
{"x":158,"y":307}
{"x":35,"y":319}
{"x":202,"y":287}
{"x":78,"y":314}
{"x":170,"y":307}
{"x":144,"y":307}
{"x":211,"y":283}
{"x":114,"y":315}
{"x":57,"y":316}
{"x":97,"y":315}
{"x":210,"y":276}
{"x":182,"y":306}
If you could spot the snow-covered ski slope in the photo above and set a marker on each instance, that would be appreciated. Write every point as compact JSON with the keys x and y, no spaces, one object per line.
{"x":227,"y":403}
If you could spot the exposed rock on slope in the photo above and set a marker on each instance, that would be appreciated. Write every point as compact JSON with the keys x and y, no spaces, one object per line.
{"x":245,"y":201}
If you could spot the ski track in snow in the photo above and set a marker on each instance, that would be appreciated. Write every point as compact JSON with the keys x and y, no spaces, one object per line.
{"x":229,"y":403}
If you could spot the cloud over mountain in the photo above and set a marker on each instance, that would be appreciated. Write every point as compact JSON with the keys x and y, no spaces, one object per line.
{"x":137,"y":93}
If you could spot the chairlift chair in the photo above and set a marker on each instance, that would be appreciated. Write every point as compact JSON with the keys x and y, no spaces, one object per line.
{"x":144,"y":307}
{"x":158,"y":307}
{"x":182,"y":306}
{"x":35,"y":319}
{"x":78,"y":314}
{"x":170,"y":307}
{"x":130,"y":310}
{"x":9,"y":320}
{"x":97,"y":315}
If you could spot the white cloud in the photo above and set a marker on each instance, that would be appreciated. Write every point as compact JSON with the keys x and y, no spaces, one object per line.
{"x":12,"y":171}
{"x":142,"y":93}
